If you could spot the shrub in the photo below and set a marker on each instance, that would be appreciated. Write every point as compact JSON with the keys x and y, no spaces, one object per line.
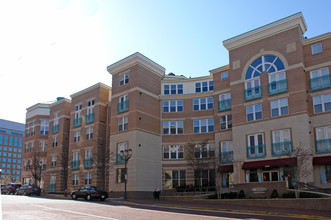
{"x":241,"y":194}
{"x":274,"y":194}
{"x":230,"y":195}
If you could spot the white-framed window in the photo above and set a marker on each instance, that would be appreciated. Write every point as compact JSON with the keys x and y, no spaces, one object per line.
{"x":226,"y":121}
{"x":123,"y":124}
{"x":52,"y":180}
{"x":203,"y":104}
{"x":323,"y":139}
{"x":75,"y":178}
{"x":54,"y":141}
{"x":77,"y":136}
{"x":123,"y":98}
{"x":325,"y":173}
{"x":206,"y":151}
{"x":75,"y":156}
{"x":174,"y":179}
{"x":173,"y":89}
{"x":122,"y":147}
{"x":173,"y":152}
{"x":323,"y":133}
{"x":88,"y":154}
{"x":120,"y":175}
{"x":90,"y":107}
{"x":281,"y":142}
{"x":44,"y":127}
{"x":320,"y":79}
{"x":204,"y":86}
{"x":225,"y":96}
{"x":33,"y":127}
{"x":319,"y":73}
{"x":281,"y":136}
{"x":256,"y":146}
{"x":173,"y":127}
{"x":173,"y":106}
{"x":124,"y":79}
{"x":254,"y":112}
{"x":88,"y":178}
{"x":226,"y":152}
{"x":89,"y":133}
{"x":27,"y":133}
{"x":224,"y":75}
{"x":226,"y":146}
{"x":322,"y":103}
{"x":43,"y":145}
{"x":316,"y":48}
{"x":279,"y":107}
{"x":56,"y":118}
{"x":252,"y":83}
{"x":78,"y":109}
{"x":203,"y":125}
{"x":53,"y":161}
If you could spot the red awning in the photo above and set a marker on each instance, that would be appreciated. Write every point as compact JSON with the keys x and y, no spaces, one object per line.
{"x":270,"y":163}
{"x":225,"y":169}
{"x":322,"y":160}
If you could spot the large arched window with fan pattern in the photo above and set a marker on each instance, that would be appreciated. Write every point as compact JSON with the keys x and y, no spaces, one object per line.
{"x":276,"y":72}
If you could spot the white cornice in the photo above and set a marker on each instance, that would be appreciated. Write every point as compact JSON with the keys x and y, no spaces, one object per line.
{"x":134,"y":59}
{"x":60,"y":101}
{"x":316,"y":39}
{"x":182,"y":80}
{"x":296,"y":20}
{"x":220,"y":69}
{"x":90,"y":89}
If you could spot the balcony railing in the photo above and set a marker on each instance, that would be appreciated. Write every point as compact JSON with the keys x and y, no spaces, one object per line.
{"x":321,"y":82}
{"x":119,"y":160}
{"x":87,"y":163}
{"x":226,"y":157}
{"x":55,"y":129}
{"x":224,"y":105}
{"x":77,"y":122}
{"x":282,"y":148}
{"x":253,"y":93}
{"x":75,"y":164}
{"x":89,"y":118}
{"x":123,"y":106}
{"x":256,"y":151}
{"x":323,"y":146}
{"x":51,"y":187}
{"x":277,"y":87}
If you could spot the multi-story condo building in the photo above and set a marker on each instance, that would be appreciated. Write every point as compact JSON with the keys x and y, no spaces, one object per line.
{"x":260,"y":123}
{"x":36,"y":144}
{"x":11,"y":148}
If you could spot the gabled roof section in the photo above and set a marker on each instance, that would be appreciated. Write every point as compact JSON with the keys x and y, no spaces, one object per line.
{"x":136,"y":58}
{"x":296,"y":20}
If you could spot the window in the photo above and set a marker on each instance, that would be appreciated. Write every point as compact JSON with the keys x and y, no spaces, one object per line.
{"x":124,"y":79}
{"x":122,"y":147}
{"x":226,"y":122}
{"x":88,"y":154}
{"x":43,"y":146}
{"x":88,"y":178}
{"x":316,"y":48}
{"x":206,"y":151}
{"x":226,"y":153}
{"x":90,"y":107}
{"x":166,"y":89}
{"x":320,"y":79}
{"x":123,"y":104}
{"x":277,"y":83}
{"x":281,"y":142}
{"x":174,"y":179}
{"x":173,"y":152}
{"x":224,"y":75}
{"x":224,"y":102}
{"x":120,"y":175}
{"x":75,"y":179}
{"x":203,"y":104}
{"x":56,"y":118}
{"x":27,"y":130}
{"x":322,"y":103}
{"x":78,"y":109}
{"x":204,"y":178}
{"x":54,"y":141}
{"x":89,"y":133}
{"x":204,"y":86}
{"x":33,"y":125}
{"x":77,"y":136}
{"x":173,"y":127}
{"x":256,"y":146}
{"x":203,"y":126}
{"x":173,"y":106}
{"x":15,"y":142}
{"x":325,"y":173}
{"x":20,"y":142}
{"x":53,"y":161}
{"x":123,"y":124}
{"x":44,"y":127}
{"x":279,"y":107}
{"x":254,"y":112}
{"x":174,"y":89}
{"x":323,"y":139}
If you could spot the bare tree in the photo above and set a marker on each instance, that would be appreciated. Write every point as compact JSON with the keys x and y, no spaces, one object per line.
{"x":37,"y":167}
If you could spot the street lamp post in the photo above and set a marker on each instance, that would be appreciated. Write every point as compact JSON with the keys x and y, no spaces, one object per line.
{"x":125,"y":155}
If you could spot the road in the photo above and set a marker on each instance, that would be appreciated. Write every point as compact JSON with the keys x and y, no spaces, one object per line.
{"x":22,"y":207}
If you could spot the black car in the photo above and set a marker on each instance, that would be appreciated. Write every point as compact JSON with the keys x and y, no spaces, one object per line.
{"x":89,"y":193}
{"x":28,"y":190}
{"x":10,"y":188}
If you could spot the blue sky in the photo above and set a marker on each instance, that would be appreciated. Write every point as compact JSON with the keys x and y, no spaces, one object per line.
{"x":58,"y":47}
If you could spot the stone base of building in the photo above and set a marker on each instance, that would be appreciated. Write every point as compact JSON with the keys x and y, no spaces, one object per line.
{"x":133,"y":195}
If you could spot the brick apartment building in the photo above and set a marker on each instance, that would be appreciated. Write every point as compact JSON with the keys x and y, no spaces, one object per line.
{"x":263,"y":121}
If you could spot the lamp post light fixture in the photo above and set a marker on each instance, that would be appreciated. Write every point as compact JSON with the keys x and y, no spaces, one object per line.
{"x":125,"y":155}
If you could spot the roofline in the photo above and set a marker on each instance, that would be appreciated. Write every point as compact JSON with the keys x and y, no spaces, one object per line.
{"x":38,"y":105}
{"x":316,"y":39}
{"x":60,"y":101}
{"x":90,"y":88}
{"x":220,"y":69}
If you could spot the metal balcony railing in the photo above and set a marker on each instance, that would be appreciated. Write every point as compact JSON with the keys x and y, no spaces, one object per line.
{"x":277,"y":87}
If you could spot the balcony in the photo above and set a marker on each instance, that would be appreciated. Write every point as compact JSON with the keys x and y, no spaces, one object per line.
{"x":256,"y":151}
{"x":88,"y":163}
{"x":89,"y":118}
{"x":51,"y":187}
{"x":323,"y":146}
{"x":277,"y":87}
{"x":119,"y":160}
{"x":226,"y":157}
{"x":77,"y":122}
{"x":75,"y":164}
{"x":224,"y":105}
{"x":123,"y":106}
{"x":321,"y":82}
{"x":55,"y":129}
{"x":253,"y":93}
{"x":282,"y":148}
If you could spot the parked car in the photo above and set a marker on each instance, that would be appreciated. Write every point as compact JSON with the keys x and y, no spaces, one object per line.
{"x":89,"y":193}
{"x":10,"y":188}
{"x":28,"y":190}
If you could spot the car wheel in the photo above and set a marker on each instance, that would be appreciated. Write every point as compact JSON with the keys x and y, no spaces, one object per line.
{"x":88,"y":197}
{"x":74,"y":197}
